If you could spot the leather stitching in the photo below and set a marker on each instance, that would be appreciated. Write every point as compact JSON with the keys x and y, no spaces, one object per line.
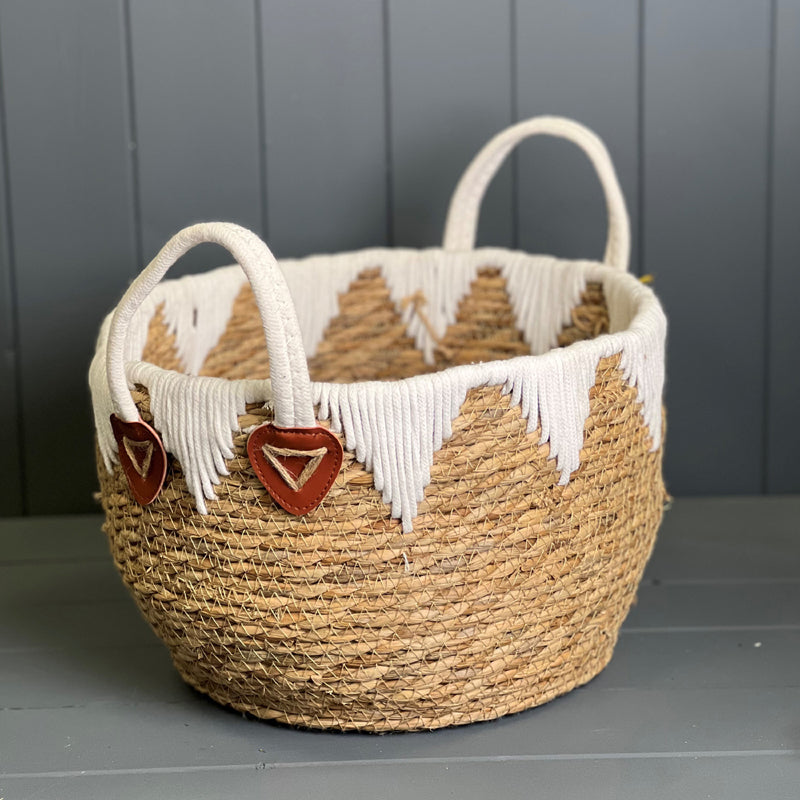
{"x":293,"y":507}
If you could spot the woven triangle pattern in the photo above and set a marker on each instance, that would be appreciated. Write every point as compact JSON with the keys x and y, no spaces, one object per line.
{"x":368,"y":338}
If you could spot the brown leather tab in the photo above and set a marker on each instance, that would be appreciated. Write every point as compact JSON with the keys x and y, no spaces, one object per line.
{"x":296,"y":465}
{"x":142,"y":458}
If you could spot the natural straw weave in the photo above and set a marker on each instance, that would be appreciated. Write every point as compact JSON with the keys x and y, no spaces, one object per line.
{"x":510,"y":590}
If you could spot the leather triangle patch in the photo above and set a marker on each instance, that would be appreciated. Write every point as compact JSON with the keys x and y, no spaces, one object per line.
{"x":142,"y":458}
{"x":297,"y":466}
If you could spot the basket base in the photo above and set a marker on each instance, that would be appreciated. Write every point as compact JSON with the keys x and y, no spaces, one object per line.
{"x":371,"y":718}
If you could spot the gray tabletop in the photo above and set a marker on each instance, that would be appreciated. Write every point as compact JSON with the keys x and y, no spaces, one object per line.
{"x":702,"y":698}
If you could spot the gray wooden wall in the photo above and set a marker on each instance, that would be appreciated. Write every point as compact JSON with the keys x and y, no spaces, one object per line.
{"x":334,"y":125}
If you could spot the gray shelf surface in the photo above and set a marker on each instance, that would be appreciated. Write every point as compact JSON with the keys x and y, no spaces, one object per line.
{"x":701,"y":700}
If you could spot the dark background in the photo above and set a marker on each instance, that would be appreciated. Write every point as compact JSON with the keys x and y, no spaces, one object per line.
{"x":335,"y":125}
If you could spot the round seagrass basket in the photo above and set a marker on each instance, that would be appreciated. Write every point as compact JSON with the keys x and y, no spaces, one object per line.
{"x":427,"y":501}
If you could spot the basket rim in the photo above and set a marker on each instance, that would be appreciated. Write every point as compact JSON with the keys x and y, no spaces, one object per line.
{"x":647,"y":310}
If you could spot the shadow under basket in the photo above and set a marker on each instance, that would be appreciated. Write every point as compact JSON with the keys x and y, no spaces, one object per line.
{"x":507,"y":581}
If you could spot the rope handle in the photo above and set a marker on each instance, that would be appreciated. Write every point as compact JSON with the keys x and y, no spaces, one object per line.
{"x":462,"y":217}
{"x":288,"y":365}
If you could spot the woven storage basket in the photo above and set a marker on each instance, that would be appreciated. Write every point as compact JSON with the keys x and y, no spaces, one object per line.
{"x":479,"y":544}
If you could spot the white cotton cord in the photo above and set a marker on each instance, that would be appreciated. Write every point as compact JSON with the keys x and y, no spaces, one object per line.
{"x":139,"y":327}
{"x":287,"y":358}
{"x":197,"y":310}
{"x":364,"y":445}
{"x":368,"y":402}
{"x":315,"y":290}
{"x":197,"y":417}
{"x":102,"y":405}
{"x":462,"y":216}
{"x":636,"y":315}
{"x":442,"y":280}
{"x":395,"y":492}
{"x":542,"y":296}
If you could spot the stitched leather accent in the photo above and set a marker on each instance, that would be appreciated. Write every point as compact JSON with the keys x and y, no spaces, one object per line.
{"x":282,"y":457}
{"x":140,"y":454}
{"x":297,"y":466}
{"x":142,"y":458}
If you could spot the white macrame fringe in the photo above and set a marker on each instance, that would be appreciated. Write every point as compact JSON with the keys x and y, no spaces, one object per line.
{"x":196,"y":417}
{"x":191,"y":307}
{"x":395,"y":427}
{"x":541,"y":291}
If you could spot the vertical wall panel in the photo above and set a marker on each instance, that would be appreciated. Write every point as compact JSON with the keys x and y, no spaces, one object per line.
{"x":196,"y":119}
{"x":10,"y":463}
{"x":450,"y":78}
{"x":783,"y":464}
{"x":72,"y":212}
{"x":325,"y":124}
{"x":579,"y":60}
{"x":706,"y":73}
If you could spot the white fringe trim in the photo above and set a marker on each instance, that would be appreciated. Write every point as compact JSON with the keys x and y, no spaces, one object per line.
{"x":196,"y":418}
{"x":395,"y":427}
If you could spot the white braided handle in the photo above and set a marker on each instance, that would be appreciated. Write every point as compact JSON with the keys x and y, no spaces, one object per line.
{"x":288,"y":366}
{"x":462,"y":217}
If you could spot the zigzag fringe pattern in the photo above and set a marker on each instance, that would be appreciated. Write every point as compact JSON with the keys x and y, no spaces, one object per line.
{"x":395,"y":427}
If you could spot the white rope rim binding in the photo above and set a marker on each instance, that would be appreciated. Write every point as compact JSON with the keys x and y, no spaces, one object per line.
{"x":288,"y":366}
{"x":462,"y":216}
